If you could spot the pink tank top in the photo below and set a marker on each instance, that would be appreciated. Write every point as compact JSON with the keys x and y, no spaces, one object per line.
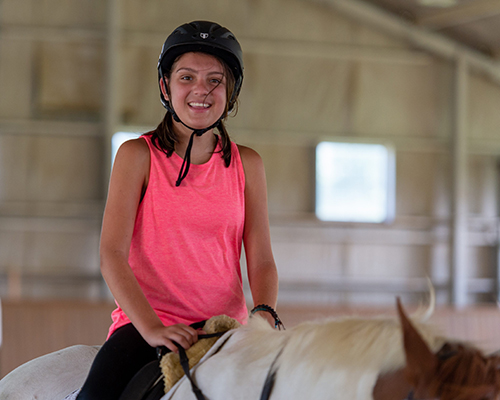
{"x":186,"y":244}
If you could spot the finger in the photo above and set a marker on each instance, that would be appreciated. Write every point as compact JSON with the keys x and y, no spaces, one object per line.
{"x":183,"y":338}
{"x":190,"y":334}
{"x":171,"y":346}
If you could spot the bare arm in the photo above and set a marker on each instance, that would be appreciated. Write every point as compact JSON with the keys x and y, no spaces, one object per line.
{"x":262,"y":272}
{"x":128,"y":181}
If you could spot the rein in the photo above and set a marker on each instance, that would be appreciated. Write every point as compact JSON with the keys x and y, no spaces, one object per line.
{"x":271,"y":377}
{"x":184,"y":360}
{"x":185,"y":364}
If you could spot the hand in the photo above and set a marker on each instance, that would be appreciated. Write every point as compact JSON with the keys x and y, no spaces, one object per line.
{"x":268,"y":317}
{"x":165,"y":336}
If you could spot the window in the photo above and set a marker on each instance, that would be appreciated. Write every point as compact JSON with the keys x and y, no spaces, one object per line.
{"x":117,"y":140}
{"x":355,"y":182}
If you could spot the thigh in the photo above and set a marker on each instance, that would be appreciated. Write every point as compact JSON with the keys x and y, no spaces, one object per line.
{"x":121,"y":356}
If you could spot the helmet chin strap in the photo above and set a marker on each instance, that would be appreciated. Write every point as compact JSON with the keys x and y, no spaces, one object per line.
{"x":196,"y":132}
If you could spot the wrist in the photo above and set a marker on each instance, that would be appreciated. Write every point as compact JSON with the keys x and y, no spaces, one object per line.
{"x":264,"y":308}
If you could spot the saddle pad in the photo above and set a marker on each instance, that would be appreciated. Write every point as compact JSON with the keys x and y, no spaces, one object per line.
{"x":170,"y":363}
{"x":215,"y":348}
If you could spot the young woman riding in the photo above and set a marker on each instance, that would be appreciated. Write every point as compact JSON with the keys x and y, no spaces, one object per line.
{"x":182,"y":200}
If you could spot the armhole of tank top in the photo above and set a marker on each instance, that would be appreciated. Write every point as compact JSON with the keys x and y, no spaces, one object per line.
{"x":148,"y":177}
{"x":239,"y":162}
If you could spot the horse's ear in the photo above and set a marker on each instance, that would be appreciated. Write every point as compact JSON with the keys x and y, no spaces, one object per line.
{"x":421,"y":363}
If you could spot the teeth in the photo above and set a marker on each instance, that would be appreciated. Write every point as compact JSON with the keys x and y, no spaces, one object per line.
{"x":199,"y":105}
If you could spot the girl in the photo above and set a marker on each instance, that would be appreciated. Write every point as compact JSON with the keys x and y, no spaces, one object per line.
{"x":182,"y":200}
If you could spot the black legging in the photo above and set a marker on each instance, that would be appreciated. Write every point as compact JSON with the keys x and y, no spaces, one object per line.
{"x":118,"y":360}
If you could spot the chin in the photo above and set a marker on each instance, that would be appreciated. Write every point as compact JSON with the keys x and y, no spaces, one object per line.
{"x":201,"y":125}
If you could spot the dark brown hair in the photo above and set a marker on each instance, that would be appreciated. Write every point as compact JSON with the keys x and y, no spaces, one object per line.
{"x":164,"y":137}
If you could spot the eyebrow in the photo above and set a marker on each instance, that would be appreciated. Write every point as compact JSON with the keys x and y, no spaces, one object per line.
{"x":195,"y":71}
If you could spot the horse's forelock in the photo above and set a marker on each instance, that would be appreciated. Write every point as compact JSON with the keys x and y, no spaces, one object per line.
{"x":468,"y":374}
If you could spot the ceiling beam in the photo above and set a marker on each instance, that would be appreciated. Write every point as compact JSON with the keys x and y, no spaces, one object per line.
{"x":419,"y":37}
{"x":460,"y":14}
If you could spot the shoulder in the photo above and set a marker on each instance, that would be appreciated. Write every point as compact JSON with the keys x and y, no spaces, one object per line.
{"x":134,"y":147}
{"x":131,"y":167}
{"x":255,"y":174}
{"x":250,"y":159}
{"x":133,"y":152}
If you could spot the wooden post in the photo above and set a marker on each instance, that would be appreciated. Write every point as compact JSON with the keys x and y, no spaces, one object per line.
{"x":459,"y":236}
{"x":112,"y":95}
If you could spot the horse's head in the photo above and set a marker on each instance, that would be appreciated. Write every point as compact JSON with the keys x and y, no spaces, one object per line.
{"x":456,"y":372}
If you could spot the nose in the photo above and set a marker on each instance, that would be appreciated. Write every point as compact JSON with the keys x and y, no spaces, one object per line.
{"x":201,"y":87}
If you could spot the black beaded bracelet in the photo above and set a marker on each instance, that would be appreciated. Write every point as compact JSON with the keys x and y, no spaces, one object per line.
{"x":270,"y":310}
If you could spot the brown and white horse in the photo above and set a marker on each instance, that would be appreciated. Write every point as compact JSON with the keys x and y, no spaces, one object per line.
{"x":344,"y":358}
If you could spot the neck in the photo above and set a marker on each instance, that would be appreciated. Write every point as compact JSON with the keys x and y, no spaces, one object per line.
{"x":391,"y":386}
{"x":203,"y":146}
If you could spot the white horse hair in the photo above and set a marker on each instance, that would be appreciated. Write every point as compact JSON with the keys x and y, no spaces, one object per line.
{"x":335,"y":359}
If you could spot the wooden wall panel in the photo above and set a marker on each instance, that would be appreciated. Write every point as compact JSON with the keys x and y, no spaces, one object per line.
{"x":483,"y":117}
{"x":32,"y":329}
{"x":70,"y":78}
{"x":16,"y":78}
{"x":54,"y":12}
{"x":41,"y":168}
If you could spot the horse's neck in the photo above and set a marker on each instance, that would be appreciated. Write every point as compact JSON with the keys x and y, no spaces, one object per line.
{"x":391,"y":386}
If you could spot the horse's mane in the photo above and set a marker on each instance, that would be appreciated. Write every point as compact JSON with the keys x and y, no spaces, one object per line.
{"x":341,"y":343}
{"x":465,"y":373}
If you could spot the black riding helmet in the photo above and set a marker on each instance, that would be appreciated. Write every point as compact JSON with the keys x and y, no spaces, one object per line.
{"x":206,"y":37}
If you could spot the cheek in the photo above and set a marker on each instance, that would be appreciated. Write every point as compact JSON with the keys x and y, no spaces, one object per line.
{"x":221,"y":96}
{"x":178,"y":93}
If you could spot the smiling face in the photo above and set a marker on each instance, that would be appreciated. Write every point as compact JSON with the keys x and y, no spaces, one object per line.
{"x":197,"y":87}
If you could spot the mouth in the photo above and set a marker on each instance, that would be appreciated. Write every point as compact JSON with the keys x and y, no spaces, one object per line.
{"x":199,"y":105}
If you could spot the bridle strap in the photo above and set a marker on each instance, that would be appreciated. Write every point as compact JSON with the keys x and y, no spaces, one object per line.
{"x":271,"y":377}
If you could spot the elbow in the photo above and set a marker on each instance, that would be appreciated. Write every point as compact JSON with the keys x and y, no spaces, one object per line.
{"x":110,"y":258}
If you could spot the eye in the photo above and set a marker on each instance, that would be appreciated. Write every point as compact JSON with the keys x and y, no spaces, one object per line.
{"x":186,"y":78}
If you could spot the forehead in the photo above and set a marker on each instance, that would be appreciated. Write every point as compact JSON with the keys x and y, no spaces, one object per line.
{"x":198,"y":62}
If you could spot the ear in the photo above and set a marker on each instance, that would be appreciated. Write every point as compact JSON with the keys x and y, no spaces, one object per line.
{"x":163,"y":88}
{"x":421,"y":363}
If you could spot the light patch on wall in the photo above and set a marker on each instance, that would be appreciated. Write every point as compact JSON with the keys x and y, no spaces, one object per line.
{"x":118,"y":139}
{"x":438,"y":3}
{"x":355,"y":182}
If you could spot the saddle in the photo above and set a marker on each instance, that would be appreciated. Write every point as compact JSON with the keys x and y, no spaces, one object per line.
{"x":170,"y":363}
{"x":159,"y":376}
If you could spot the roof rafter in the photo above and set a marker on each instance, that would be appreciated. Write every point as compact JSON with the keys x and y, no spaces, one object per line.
{"x":461,"y":14}
{"x":434,"y":43}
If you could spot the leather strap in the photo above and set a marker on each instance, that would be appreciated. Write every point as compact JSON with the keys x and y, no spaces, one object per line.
{"x":184,"y":360}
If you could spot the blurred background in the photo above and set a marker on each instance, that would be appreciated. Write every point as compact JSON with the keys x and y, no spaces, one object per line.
{"x":378,"y":122}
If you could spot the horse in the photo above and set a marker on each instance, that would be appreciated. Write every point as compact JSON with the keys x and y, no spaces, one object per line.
{"x":345,"y":358}
{"x":377,"y":358}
